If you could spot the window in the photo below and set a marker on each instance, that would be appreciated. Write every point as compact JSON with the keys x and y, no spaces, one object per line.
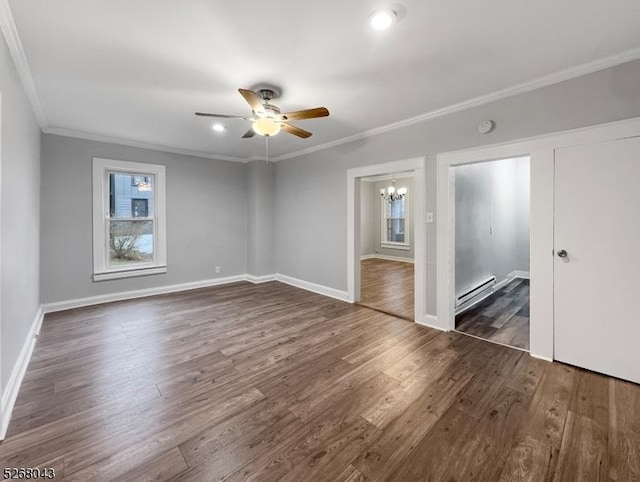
{"x":139,"y":208}
{"x":128,"y":219}
{"x":395,"y":233}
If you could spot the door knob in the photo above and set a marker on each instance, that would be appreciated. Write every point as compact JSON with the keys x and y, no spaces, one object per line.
{"x":562,"y":253}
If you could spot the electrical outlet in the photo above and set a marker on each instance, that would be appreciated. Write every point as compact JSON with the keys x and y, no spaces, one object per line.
{"x":429,"y":217}
{"x":217,"y":269}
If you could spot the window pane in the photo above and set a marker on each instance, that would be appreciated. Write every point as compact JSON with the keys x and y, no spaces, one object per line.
{"x":129,"y":193}
{"x":395,"y":230}
{"x":130,"y":242}
{"x":396,"y":209}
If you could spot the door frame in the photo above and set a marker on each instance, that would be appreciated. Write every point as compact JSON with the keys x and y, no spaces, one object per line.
{"x":541,"y":149}
{"x":452,"y":227}
{"x":416,"y":165}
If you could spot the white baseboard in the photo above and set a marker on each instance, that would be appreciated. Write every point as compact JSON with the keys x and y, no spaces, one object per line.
{"x":522,"y":274}
{"x":539,"y":357}
{"x":17,"y":374}
{"x":128,"y":295}
{"x":510,"y":277}
{"x":387,"y":257}
{"x":260,"y":279}
{"x":316,"y":288}
{"x":431,"y":321}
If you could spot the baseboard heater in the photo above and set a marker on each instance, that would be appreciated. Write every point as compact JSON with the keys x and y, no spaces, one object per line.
{"x":475,"y":290}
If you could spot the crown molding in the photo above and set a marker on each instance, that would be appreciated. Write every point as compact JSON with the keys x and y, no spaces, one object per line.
{"x":142,"y":145}
{"x":540,"y":82}
{"x":8,"y":27}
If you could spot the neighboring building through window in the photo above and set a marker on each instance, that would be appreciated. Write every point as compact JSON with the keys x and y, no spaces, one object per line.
{"x":129,"y":219}
{"x":394,"y":227}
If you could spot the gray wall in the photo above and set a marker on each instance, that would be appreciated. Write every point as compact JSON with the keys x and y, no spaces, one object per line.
{"x":370,"y":217}
{"x":317,"y":252}
{"x":260,"y":218}
{"x":20,"y":216}
{"x":206,"y":218}
{"x":491,"y":220}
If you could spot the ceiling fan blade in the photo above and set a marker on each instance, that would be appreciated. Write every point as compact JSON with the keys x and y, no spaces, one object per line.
{"x":249,"y":133}
{"x":296,"y":131}
{"x":307,"y":113}
{"x":252,"y":99}
{"x":222,"y":116}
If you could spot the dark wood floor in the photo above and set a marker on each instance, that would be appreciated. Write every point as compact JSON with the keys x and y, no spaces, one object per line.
{"x":269,"y":382}
{"x":387,"y":286}
{"x":503,"y":317}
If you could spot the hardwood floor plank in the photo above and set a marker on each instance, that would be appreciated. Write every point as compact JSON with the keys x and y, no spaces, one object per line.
{"x":387,"y":286}
{"x":624,"y":430}
{"x":162,"y":467}
{"x":528,"y":461}
{"x":270,"y":382}
{"x":379,"y":460}
{"x":583,"y":453}
{"x":503,"y":317}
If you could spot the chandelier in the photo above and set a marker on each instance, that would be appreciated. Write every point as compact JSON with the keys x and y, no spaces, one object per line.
{"x":392,"y":194}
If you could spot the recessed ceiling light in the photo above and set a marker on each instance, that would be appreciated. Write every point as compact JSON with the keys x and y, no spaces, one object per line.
{"x":382,"y":19}
{"x":218,"y":127}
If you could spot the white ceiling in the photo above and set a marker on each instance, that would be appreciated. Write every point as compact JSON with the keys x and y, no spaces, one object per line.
{"x":138,"y":70}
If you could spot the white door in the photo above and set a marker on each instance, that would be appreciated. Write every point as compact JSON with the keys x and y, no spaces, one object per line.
{"x":597,"y":284}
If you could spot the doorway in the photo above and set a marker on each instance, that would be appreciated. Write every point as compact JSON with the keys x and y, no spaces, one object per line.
{"x":387,"y":244}
{"x":355,"y":182}
{"x":491,"y":250}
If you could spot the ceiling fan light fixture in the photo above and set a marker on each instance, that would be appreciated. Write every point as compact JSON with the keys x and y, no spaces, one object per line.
{"x":266,"y":127}
{"x":382,"y":19}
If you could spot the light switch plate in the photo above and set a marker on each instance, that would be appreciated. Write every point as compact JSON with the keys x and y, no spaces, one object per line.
{"x":429,"y":217}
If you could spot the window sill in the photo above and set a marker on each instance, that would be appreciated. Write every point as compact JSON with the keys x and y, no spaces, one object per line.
{"x":400,"y":246}
{"x":129,"y":273}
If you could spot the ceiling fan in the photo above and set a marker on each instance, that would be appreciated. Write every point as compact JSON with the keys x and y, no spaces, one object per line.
{"x":267,"y":118}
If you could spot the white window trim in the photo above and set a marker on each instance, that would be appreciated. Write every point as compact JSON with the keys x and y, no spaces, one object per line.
{"x":406,"y":246}
{"x":101,"y":271}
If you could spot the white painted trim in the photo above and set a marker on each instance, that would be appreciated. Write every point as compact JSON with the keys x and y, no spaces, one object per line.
{"x":541,"y":149}
{"x":388,"y":258}
{"x":129,"y":273}
{"x":398,"y":246}
{"x":430,"y":321}
{"x":418,"y":166}
{"x":510,"y":277}
{"x":143,"y":145}
{"x":545,"y":81}
{"x":313,"y":287}
{"x":17,"y":374}
{"x":101,"y":217}
{"x":547,"y":359}
{"x":8,"y":26}
{"x":129,"y":295}
{"x":260,"y":279}
{"x":521,"y":274}
{"x":161,"y":290}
